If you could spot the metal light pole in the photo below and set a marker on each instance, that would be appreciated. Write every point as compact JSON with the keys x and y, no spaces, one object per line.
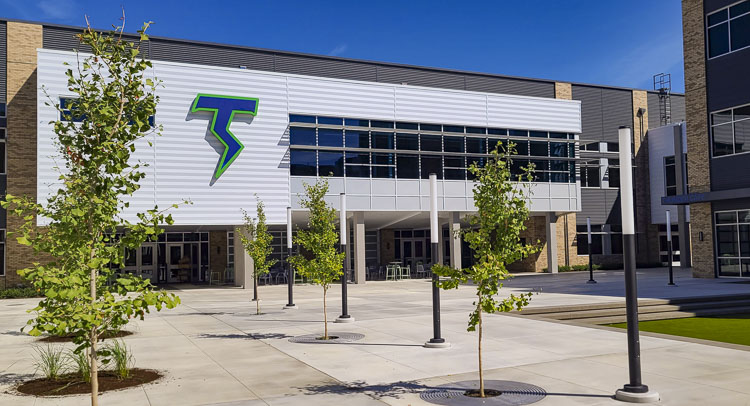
{"x":290,"y":275}
{"x":436,"y":341}
{"x":591,"y":262}
{"x":345,"y":317}
{"x":669,"y":248}
{"x":635,"y":391}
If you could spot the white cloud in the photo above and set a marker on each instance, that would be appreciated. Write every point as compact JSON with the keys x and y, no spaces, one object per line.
{"x":57,"y":9}
{"x":340,"y":49}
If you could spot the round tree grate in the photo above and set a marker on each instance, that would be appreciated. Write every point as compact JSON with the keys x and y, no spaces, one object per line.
{"x":333,"y":338}
{"x":511,"y":394}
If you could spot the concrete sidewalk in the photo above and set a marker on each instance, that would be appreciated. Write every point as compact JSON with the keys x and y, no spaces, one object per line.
{"x":214,"y":350}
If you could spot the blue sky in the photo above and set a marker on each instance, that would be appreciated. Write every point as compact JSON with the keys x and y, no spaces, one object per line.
{"x":620,"y":43}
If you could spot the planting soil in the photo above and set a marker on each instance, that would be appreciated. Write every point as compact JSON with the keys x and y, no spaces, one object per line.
{"x":71,"y":384}
{"x":66,"y":339}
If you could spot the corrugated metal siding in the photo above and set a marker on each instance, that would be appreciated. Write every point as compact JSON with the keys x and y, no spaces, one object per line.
{"x":603,"y":111}
{"x":602,"y":205}
{"x":617,"y":110}
{"x":510,"y":86}
{"x":62,"y":39}
{"x":418,"y":77}
{"x":591,"y":111}
{"x":3,"y":62}
{"x":595,"y":206}
{"x":175,"y":51}
{"x":678,"y":109}
{"x":303,"y":65}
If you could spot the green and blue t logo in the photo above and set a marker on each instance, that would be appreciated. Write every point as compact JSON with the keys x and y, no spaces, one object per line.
{"x":224,"y":108}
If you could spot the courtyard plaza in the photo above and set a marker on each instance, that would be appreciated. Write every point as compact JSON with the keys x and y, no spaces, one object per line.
{"x":214,"y":350}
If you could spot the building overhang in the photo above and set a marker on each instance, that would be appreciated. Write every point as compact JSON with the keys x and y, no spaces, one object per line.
{"x":706,"y":197}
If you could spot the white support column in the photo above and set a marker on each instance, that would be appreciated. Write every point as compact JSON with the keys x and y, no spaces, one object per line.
{"x":360,"y":266}
{"x":454,"y":225}
{"x":243,"y":264}
{"x":441,"y":243}
{"x":551,"y":229}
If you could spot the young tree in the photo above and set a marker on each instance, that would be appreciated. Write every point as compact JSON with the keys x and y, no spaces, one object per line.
{"x":256,"y":240}
{"x":87,"y":235}
{"x":323,"y":263}
{"x":494,"y":239}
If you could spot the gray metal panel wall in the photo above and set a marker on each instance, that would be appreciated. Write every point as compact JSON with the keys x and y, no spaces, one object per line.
{"x":418,"y":77}
{"x":591,"y":111}
{"x":617,"y":110}
{"x":678,"y":109}
{"x":730,"y":172}
{"x":602,"y":205}
{"x":3,"y":61}
{"x":510,"y":86}
{"x":305,"y":65}
{"x":64,"y":39}
{"x":175,"y":51}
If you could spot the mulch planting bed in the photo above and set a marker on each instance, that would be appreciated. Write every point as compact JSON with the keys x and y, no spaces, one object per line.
{"x":65,"y":339}
{"x":71,"y":384}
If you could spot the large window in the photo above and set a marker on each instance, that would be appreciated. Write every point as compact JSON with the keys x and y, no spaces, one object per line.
{"x":670,"y":175}
{"x":230,"y":249}
{"x":728,"y":29}
{"x":590,"y":176}
{"x":582,"y":239}
{"x":730,"y":130}
{"x":733,"y":242}
{"x":361,"y":148}
{"x":613,"y":173}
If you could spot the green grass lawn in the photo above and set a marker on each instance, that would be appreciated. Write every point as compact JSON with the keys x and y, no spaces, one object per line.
{"x":731,"y":328}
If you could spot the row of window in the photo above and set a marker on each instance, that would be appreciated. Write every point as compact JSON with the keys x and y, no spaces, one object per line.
{"x":598,"y":240}
{"x":337,"y":138}
{"x":590,"y":177}
{"x":309,"y":162}
{"x":339,"y":122}
{"x":3,"y":113}
{"x":728,"y":30}
{"x":733,"y":242}
{"x":597,"y":146}
{"x":731,"y":131}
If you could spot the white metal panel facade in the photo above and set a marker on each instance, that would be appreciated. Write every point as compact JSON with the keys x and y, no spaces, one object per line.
{"x":183,"y":159}
{"x":661,"y":145}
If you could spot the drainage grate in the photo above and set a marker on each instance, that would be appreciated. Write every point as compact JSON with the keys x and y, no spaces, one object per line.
{"x":512,"y":394}
{"x":340,"y":338}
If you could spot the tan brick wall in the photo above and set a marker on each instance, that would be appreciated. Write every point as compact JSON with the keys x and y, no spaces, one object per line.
{"x":647,"y":233}
{"x":563,"y":91}
{"x":703,"y":251}
{"x":22,"y":42}
{"x":698,"y":143}
{"x":217,"y":247}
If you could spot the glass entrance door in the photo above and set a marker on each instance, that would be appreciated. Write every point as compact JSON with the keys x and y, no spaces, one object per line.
{"x":174,"y":255}
{"x":147,"y":261}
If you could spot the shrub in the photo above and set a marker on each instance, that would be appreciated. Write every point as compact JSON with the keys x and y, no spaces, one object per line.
{"x":50,"y":361}
{"x":82,"y":363}
{"x":122,"y":358}
{"x":21,"y":292}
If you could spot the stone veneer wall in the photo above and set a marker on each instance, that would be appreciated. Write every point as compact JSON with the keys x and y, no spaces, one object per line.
{"x":698,"y":143}
{"x":22,"y":42}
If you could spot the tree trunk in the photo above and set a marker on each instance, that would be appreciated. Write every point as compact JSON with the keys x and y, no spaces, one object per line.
{"x":93,"y":338}
{"x":325,"y":317}
{"x":255,"y":293}
{"x":481,"y":374}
